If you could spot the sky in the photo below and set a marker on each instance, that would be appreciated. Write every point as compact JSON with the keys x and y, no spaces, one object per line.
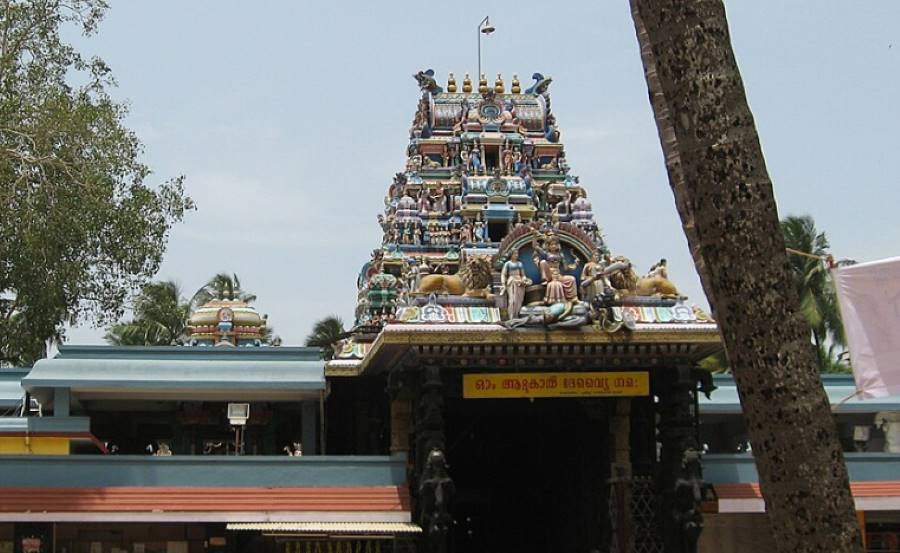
{"x":288,"y":120}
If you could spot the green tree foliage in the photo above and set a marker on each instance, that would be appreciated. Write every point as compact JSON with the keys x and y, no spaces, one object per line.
{"x":325,"y":334}
{"x":224,"y":287}
{"x":160,"y":318}
{"x":80,"y":229}
{"x":813,"y":283}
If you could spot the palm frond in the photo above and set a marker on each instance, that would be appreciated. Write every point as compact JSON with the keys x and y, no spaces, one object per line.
{"x":325,"y":333}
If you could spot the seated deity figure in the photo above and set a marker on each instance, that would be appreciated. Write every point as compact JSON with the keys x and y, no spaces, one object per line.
{"x":514,"y":282}
{"x":560,"y":288}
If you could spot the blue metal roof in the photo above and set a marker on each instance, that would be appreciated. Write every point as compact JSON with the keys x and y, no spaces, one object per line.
{"x":189,"y":352}
{"x":735,"y":468}
{"x":11,"y":392}
{"x":122,"y":374}
{"x":839,"y":388}
{"x":180,"y":370}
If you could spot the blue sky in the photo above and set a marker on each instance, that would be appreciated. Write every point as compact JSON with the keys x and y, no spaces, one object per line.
{"x":288,"y":120}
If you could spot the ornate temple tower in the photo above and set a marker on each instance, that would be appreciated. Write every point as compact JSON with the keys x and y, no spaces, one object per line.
{"x":543,"y":390}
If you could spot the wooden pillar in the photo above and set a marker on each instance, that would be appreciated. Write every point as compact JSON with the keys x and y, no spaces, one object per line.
{"x":435,"y":488}
{"x":680,"y":480}
{"x":620,"y":473}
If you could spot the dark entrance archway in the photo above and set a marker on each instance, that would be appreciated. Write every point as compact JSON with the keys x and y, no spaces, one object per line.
{"x":530,"y":475}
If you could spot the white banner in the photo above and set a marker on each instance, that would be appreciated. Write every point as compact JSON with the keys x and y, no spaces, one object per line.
{"x":869,"y":297}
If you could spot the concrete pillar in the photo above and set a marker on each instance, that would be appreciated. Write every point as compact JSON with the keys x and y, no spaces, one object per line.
{"x":309,"y":421}
{"x":61,"y":402}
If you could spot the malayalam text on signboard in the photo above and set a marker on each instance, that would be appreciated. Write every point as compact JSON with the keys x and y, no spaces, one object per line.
{"x":563,"y":384}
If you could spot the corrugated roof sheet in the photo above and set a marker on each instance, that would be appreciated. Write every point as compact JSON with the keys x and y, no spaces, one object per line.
{"x":328,"y":527}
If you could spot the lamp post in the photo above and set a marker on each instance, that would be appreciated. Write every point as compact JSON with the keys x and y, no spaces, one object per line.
{"x":484,"y":27}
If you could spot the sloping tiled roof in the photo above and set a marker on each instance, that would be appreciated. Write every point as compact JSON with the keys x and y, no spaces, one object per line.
{"x":750,"y":490}
{"x":205,"y":499}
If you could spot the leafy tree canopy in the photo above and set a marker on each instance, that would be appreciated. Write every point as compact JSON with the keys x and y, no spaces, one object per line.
{"x":160,"y":318}
{"x":325,"y":334}
{"x":222,"y":286}
{"x":80,"y":228}
{"x":161,"y":313}
{"x":815,"y":287}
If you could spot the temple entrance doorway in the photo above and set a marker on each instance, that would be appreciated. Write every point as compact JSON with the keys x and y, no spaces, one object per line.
{"x":530,"y":475}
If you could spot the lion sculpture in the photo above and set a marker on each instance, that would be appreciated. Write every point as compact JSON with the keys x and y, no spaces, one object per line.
{"x":624,"y":279}
{"x":473,"y":279}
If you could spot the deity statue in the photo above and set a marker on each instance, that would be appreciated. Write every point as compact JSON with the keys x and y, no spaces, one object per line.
{"x":440,"y":202}
{"x":424,"y":201}
{"x":563,"y":164}
{"x":454,"y":233}
{"x":517,"y":159}
{"x":507,"y":160}
{"x":593,"y":277}
{"x":560,"y":287}
{"x":414,"y":162}
{"x":475,"y":160}
{"x":480,"y":231}
{"x":525,"y":174}
{"x":465,"y":234}
{"x":551,"y":133}
{"x":514,"y":282}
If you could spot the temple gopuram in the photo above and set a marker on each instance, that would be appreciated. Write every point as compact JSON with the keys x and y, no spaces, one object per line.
{"x":541,"y":388}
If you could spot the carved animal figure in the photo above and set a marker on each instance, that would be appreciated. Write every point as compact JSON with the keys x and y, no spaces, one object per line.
{"x":427,"y":82}
{"x":624,"y":279}
{"x":473,"y":279}
{"x":541,"y":84}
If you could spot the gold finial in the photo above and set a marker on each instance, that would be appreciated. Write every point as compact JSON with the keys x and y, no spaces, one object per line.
{"x":467,"y":84}
{"x":482,"y":84}
{"x":451,"y":83}
{"x":516,"y":87}
{"x":498,"y":84}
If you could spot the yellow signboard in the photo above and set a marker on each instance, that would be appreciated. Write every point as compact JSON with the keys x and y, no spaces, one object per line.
{"x":568,"y":384}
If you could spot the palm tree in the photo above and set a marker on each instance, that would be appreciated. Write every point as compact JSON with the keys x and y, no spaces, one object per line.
{"x":325,"y":334}
{"x":726,"y":201}
{"x":160,"y":318}
{"x":812,"y":281}
{"x":221,"y":286}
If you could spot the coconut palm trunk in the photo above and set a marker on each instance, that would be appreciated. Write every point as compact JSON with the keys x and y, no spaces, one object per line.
{"x":724,"y":197}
